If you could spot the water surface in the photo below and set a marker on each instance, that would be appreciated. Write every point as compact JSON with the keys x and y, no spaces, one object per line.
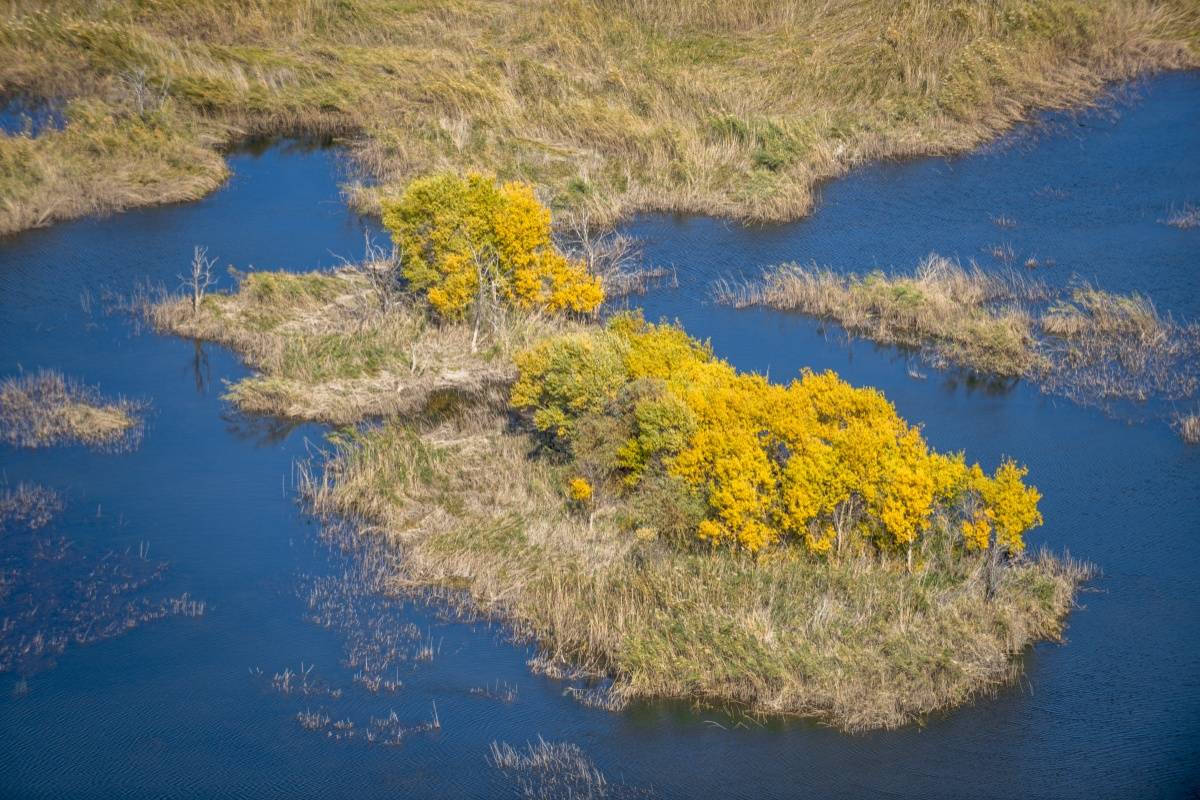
{"x":177,"y":708}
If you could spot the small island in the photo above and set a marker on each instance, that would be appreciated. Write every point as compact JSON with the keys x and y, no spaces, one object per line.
{"x":611,"y":489}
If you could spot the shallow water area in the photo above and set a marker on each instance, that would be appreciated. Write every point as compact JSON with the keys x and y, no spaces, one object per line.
{"x":187,"y":706}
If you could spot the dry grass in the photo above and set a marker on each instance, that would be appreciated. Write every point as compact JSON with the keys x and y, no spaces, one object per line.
{"x":1185,"y":217}
{"x":103,"y":161}
{"x":612,"y":105}
{"x":862,"y":644}
{"x":969,"y":317}
{"x":1092,"y":346}
{"x":326,"y":349}
{"x":1188,"y":426}
{"x":1105,"y":346}
{"x":44,"y":408}
{"x":552,"y":771}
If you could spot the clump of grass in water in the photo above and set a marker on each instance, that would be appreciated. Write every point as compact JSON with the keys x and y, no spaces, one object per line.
{"x":1188,"y":216}
{"x":969,"y":317}
{"x":44,"y":408}
{"x":1188,"y":426}
{"x":552,"y":769}
{"x":1089,"y":345}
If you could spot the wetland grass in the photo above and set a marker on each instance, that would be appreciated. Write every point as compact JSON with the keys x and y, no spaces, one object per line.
{"x":59,"y":594}
{"x":45,"y":408}
{"x":1092,"y":346}
{"x":613,"y":106}
{"x":326,"y":349}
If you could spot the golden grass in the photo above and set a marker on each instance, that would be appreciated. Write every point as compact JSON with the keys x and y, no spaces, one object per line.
{"x":44,"y":408}
{"x":1093,"y":346}
{"x":612,"y":105}
{"x":103,"y":162}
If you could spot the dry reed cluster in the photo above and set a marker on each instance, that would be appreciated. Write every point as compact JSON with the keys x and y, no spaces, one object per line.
{"x":44,"y":408}
{"x":1087,"y":344}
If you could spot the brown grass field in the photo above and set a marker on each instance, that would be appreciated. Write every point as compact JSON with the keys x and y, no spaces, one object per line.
{"x":613,"y":106}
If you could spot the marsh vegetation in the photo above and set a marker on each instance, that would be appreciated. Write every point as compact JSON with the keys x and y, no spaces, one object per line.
{"x":1090,"y":345}
{"x":58,"y":594}
{"x":44,"y":408}
{"x":732,"y":109}
{"x":547,"y":770}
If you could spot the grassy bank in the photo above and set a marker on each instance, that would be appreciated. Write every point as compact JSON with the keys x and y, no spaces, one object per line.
{"x":1093,"y":346}
{"x":479,"y":510}
{"x":326,"y":348}
{"x":614,"y":105}
{"x":44,"y":408}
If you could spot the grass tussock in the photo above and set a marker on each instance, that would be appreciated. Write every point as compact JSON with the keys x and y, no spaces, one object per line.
{"x":44,"y":408}
{"x":1093,"y":346}
{"x":549,"y":770}
{"x":325,"y":347}
{"x":860,"y":644}
{"x":1188,"y":426}
{"x":611,"y":105}
{"x":1184,"y":218}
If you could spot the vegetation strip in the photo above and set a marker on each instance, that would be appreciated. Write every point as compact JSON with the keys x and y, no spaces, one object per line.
{"x":619,"y":106}
{"x":1084,"y":343}
{"x":690,"y":543}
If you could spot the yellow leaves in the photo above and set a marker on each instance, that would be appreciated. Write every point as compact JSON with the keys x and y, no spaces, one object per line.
{"x":457,"y":235}
{"x":1011,"y":505}
{"x":552,"y":282}
{"x":976,"y":533}
{"x":812,"y":462}
{"x":580,"y":491}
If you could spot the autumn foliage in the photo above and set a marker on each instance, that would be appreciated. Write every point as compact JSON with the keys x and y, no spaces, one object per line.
{"x":649,"y":413}
{"x":469,"y":240}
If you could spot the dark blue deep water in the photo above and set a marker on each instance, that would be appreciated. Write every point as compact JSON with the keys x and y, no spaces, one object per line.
{"x":175,"y":708}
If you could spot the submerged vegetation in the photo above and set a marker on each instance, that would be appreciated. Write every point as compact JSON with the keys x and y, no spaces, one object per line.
{"x":644,"y":512}
{"x":613,"y":105}
{"x":56,"y":594}
{"x":549,"y":770}
{"x":1087,"y":344}
{"x":44,"y":408}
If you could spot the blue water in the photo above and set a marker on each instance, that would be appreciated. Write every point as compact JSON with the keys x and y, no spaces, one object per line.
{"x":175,"y":708}
{"x":24,"y":115}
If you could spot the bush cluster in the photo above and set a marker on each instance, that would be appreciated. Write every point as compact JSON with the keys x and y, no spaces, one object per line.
{"x":700,"y":450}
{"x":467,"y":241}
